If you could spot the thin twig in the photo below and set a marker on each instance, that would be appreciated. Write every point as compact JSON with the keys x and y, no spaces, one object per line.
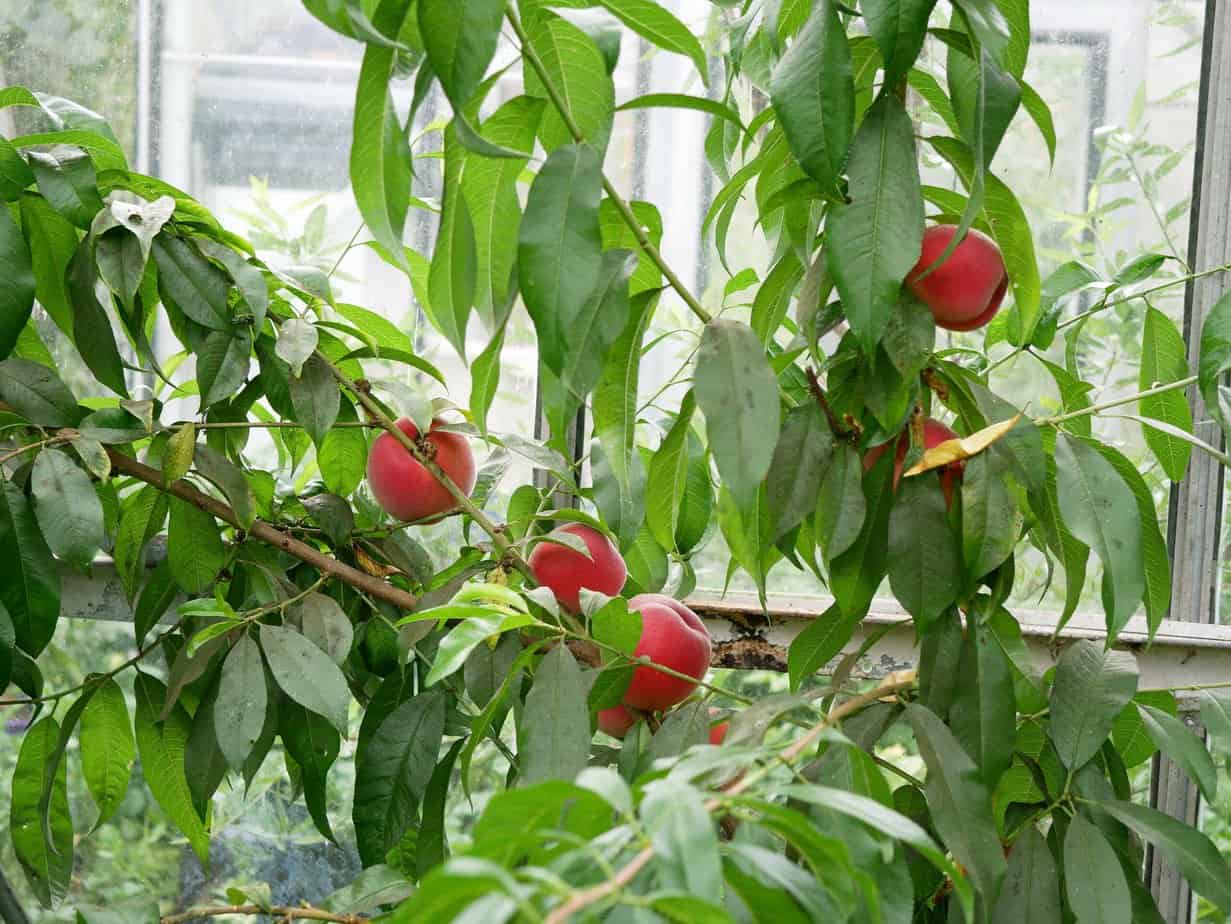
{"x":1117,"y":402}
{"x":818,"y":393}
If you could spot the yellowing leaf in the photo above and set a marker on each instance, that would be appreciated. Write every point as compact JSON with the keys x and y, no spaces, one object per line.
{"x":957,"y":450}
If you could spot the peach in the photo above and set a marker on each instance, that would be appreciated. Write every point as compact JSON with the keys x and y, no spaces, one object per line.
{"x":616,"y":721}
{"x":403,"y":487}
{"x":964,"y":292}
{"x":566,"y":571}
{"x":671,"y":635}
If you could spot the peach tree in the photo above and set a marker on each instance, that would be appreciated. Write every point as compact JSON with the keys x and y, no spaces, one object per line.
{"x":819,"y":422}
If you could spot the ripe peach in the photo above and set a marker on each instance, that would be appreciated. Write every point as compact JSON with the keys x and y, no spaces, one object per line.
{"x":671,"y":635}
{"x":964,"y":292}
{"x":566,"y":570}
{"x":934,"y":433}
{"x":404,"y":488}
{"x":718,"y":732}
{"x":616,"y":721}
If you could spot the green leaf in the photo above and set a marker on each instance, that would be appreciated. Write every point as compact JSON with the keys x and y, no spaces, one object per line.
{"x":813,"y":93}
{"x":988,"y":25}
{"x":984,"y":712}
{"x":161,"y":746}
{"x":343,"y":453}
{"x":460,"y":37}
{"x":991,"y":523}
{"x":737,"y":391}
{"x":17,"y":293}
{"x":37,"y":394}
{"x":1197,"y":858}
{"x":306,"y":674}
{"x":1164,"y":360}
{"x":657,"y":25}
{"x":67,"y":508}
{"x":451,"y":277}
{"x":1216,"y":717}
{"x":1031,"y":892}
{"x":875,"y":237}
{"x":819,"y":643}
{"x":15,"y":174}
{"x":615,"y":414}
{"x":316,"y":399}
{"x":194,"y":547}
{"x":841,"y":506}
{"x":142,"y":515}
{"x":68,"y":182}
{"x":856,"y":574}
{"x":1093,"y":878}
{"x":239,"y":711}
{"x":959,"y":802}
{"x":683,"y":836}
{"x":668,"y":473}
{"x":107,"y":748}
{"x":924,"y":554}
{"x":489,"y":187}
{"x":684,"y":101}
{"x":92,"y":332}
{"x":30,"y":590}
{"x":380,"y":163}
{"x":431,"y":848}
{"x":578,"y":71}
{"x":899,"y":28}
{"x":195,"y":285}
{"x":393,"y":766}
{"x":560,"y":247}
{"x":555,"y":726}
{"x":800,"y":462}
{"x":48,"y":865}
{"x":313,"y":744}
{"x":297,"y":340}
{"x":1101,"y":511}
{"x":591,"y":328}
{"x":52,"y":240}
{"x":1173,"y":738}
{"x":230,"y":480}
{"x":222,"y":365}
{"x":1092,"y":685}
{"x":1157,"y":564}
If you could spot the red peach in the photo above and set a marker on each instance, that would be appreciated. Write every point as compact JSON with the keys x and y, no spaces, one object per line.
{"x":404,"y":488}
{"x":718,"y":732}
{"x":616,"y":721}
{"x":566,"y":571}
{"x":934,"y":433}
{"x":671,"y":635}
{"x":964,"y":292}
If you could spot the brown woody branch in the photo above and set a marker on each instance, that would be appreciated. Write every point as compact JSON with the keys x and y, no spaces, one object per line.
{"x":261,"y":530}
{"x":893,"y":685}
{"x":839,"y":429}
{"x":284,"y":912}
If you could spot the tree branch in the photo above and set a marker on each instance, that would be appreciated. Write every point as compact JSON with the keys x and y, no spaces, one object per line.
{"x":285,"y":912}
{"x":261,"y":530}
{"x":893,"y":685}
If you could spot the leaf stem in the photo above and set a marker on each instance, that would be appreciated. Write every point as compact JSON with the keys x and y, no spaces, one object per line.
{"x":621,"y":204}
